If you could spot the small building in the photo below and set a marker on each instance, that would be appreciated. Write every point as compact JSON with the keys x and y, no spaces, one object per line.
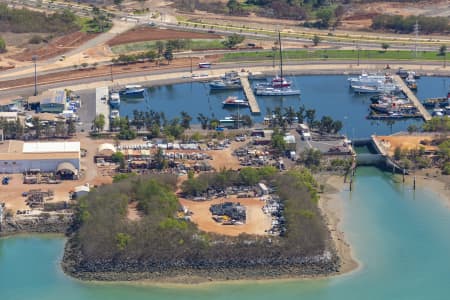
{"x":262,"y":189}
{"x":290,"y":142}
{"x":80,"y":191}
{"x":9,"y":116}
{"x":52,"y":101}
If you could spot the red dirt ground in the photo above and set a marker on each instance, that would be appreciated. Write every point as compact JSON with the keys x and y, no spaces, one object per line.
{"x":104,"y":71}
{"x":56,"y":46}
{"x":142,"y":34}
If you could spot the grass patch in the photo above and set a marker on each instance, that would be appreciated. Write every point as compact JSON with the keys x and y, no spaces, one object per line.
{"x":333,"y":55}
{"x":151,"y":45}
{"x":83,"y":22}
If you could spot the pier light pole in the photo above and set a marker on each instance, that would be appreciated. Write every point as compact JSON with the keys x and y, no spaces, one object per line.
{"x":34,"y":59}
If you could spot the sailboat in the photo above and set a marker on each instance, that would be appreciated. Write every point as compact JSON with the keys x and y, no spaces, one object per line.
{"x":279,"y":86}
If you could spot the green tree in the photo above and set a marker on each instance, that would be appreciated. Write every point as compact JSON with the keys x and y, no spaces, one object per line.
{"x":185,"y":120}
{"x":118,"y":157}
{"x":310,"y":115}
{"x":159,"y":47}
{"x":316,"y":40}
{"x":122,"y":240}
{"x":233,"y":40}
{"x":278,"y":143}
{"x":385,"y":46}
{"x":118,"y":3}
{"x":168,"y":54}
{"x":2,"y":45}
{"x":442,"y":50}
{"x":99,"y":122}
{"x":325,"y":15}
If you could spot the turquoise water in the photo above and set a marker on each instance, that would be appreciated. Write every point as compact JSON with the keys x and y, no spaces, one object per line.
{"x":327,"y":94}
{"x":400,"y":236}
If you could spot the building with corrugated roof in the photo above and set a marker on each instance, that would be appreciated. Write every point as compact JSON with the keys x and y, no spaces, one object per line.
{"x":53,"y":101}
{"x":63,"y":158}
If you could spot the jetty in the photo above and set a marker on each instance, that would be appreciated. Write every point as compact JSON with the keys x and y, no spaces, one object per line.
{"x":407,"y":91}
{"x":101,"y":104}
{"x":248,"y":91}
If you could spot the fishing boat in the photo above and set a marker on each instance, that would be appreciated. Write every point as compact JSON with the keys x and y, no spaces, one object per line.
{"x":382,"y":88}
{"x":411,"y":81}
{"x":279,"y":86}
{"x":132,"y":91}
{"x":437,"y":102}
{"x":369,"y":79}
{"x":114,"y":114}
{"x":270,"y":91}
{"x":234,"y":101}
{"x":225,"y":84}
{"x":114,"y":100}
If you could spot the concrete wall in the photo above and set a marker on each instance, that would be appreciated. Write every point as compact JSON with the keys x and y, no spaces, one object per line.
{"x":47,"y":165}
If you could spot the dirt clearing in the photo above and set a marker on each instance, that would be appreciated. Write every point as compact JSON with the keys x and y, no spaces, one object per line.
{"x":406,"y":142}
{"x":56,"y":47}
{"x":257,"y":222}
{"x":142,"y":34}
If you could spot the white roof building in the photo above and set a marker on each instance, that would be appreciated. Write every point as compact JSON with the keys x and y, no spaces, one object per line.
{"x":18,"y":157}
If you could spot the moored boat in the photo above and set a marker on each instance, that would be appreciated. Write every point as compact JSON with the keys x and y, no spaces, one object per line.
{"x":114,"y":114}
{"x":270,"y":91}
{"x":225,"y":84}
{"x":114,"y":100}
{"x":132,"y":91}
{"x":437,"y":102}
{"x":234,"y":101}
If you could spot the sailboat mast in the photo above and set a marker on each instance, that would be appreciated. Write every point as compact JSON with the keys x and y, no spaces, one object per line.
{"x":281,"y":56}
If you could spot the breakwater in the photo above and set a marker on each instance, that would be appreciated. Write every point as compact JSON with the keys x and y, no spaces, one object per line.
{"x":198,"y":270}
{"x":43,"y":223}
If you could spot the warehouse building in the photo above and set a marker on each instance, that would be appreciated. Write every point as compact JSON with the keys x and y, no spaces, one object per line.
{"x":63,"y":158}
{"x":53,"y":101}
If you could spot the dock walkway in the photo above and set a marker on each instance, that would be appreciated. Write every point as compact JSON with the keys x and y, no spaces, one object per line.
{"x":425,"y":114}
{"x":101,"y":104}
{"x":254,"y":107}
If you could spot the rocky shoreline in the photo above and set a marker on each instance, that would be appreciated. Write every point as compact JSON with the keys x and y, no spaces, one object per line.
{"x":184,"y":271}
{"x":36,"y":224}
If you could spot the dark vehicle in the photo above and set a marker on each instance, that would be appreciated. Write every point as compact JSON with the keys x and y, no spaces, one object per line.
{"x":5,"y":180}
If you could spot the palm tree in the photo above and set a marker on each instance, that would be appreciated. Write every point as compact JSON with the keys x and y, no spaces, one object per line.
{"x":310,"y":116}
{"x":203,"y":120}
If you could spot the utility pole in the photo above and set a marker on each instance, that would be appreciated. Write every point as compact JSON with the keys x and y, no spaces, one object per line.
{"x":111,"y":71}
{"x":34,"y":58}
{"x":358,"y":55}
{"x":416,"y":32}
{"x":190,"y":57}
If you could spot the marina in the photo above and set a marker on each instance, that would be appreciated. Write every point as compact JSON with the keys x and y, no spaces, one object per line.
{"x":425,"y":114}
{"x":336,"y":100}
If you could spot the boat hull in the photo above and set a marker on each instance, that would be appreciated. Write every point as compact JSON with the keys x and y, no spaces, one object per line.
{"x":277,"y":92}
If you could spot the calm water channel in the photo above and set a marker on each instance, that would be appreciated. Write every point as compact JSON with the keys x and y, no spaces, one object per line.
{"x":400,"y":237}
{"x":328,"y":95}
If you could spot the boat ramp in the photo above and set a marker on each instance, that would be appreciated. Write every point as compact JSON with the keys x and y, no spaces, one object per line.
{"x":248,"y":91}
{"x":425,"y":114}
